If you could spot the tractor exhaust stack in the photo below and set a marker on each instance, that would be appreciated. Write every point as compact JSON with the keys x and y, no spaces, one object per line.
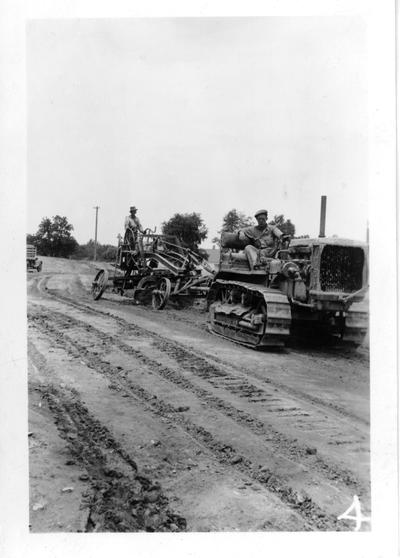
{"x":322,"y":217}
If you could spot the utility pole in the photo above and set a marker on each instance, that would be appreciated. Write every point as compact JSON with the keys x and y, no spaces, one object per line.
{"x":96,"y":207}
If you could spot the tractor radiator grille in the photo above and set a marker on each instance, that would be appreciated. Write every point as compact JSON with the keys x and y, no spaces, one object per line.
{"x":341,"y":268}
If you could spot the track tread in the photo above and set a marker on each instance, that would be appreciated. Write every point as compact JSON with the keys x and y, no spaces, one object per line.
{"x":276,"y":328}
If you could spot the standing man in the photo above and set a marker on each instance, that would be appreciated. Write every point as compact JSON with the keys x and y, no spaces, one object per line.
{"x":262,"y":239}
{"x":132,"y":222}
{"x":132,"y":226}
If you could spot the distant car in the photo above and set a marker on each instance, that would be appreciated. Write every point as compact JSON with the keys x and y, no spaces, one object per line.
{"x":32,"y":261}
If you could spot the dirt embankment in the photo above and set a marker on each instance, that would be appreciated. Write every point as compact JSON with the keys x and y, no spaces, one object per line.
{"x":142,"y":420}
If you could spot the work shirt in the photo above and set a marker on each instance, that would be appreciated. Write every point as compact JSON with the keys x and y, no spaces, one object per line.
{"x":133,"y":223}
{"x":263,"y":238}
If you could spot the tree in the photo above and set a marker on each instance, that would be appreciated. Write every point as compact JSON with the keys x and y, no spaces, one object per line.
{"x":105,"y":252}
{"x":31,"y":239}
{"x":188,"y":228}
{"x":232,"y":222}
{"x":235,"y":220}
{"x":54,"y":237}
{"x":285,"y":225}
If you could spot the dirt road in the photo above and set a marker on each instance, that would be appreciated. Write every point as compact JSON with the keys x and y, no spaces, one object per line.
{"x":143,"y":420}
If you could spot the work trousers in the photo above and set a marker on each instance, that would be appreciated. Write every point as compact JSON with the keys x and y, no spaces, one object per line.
{"x":253,"y":254}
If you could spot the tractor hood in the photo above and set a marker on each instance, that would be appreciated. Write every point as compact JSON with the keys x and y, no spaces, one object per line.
{"x":309,"y":242}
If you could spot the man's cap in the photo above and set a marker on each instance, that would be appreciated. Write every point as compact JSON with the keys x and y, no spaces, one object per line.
{"x":133,"y":207}
{"x":261,"y":212}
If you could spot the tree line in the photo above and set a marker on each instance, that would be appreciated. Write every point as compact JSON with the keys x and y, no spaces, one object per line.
{"x":54,"y":236}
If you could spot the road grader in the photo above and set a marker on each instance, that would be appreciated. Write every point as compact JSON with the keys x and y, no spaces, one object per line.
{"x":317,"y":287}
{"x":156,"y":268}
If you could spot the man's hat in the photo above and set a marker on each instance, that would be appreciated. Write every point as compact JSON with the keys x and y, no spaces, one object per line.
{"x":261,"y":212}
{"x":132,"y":207}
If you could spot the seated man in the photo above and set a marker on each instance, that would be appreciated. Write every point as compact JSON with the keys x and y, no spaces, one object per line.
{"x":262,"y":239}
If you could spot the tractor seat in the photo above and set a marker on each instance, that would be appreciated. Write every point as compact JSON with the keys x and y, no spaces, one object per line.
{"x":233,"y":255}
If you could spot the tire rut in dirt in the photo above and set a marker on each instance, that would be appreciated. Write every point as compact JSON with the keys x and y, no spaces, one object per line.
{"x":314,"y":517}
{"x":121,"y":500}
{"x":281,"y":443}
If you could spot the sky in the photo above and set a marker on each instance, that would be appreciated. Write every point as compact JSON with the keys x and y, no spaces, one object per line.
{"x":197,"y":115}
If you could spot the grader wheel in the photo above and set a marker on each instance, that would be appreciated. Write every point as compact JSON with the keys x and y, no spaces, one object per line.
{"x":160,"y":295}
{"x":99,"y":284}
{"x":144,"y":289}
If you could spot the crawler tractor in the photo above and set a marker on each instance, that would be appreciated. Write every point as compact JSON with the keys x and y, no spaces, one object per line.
{"x":311,"y":285}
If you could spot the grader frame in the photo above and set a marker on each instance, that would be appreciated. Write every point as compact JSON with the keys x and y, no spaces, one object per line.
{"x":155,"y":266}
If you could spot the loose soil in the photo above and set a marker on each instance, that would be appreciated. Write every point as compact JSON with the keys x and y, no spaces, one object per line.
{"x":141,"y":420}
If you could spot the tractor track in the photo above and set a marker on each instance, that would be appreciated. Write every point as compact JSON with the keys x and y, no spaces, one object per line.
{"x":279,"y":443}
{"x":212,"y":362}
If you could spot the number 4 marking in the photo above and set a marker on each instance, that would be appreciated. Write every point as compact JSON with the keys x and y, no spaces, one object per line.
{"x":358,"y":517}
